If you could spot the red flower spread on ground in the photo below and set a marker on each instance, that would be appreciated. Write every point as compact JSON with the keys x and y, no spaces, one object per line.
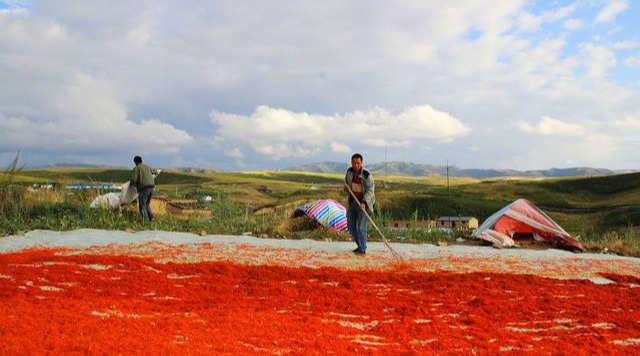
{"x":62,"y":303}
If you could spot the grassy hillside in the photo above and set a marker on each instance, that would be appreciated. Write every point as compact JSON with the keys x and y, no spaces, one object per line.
{"x":593,"y":208}
{"x":105,"y":176}
{"x":401,"y":195}
{"x":581,"y":205}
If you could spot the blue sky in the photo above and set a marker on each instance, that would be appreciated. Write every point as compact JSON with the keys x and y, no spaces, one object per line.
{"x":15,"y":5}
{"x":262,"y":85}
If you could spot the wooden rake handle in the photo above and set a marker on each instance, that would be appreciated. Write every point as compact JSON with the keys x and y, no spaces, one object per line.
{"x":384,"y":239}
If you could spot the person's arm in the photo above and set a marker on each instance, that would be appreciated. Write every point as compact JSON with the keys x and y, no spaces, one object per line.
{"x":345,"y":187}
{"x":134,"y":176}
{"x":369,"y":192}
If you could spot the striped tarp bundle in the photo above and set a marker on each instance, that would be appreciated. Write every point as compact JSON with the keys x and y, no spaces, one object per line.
{"x":327,"y":212}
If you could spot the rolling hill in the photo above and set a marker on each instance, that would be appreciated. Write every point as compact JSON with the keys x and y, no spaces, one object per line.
{"x":416,"y":169}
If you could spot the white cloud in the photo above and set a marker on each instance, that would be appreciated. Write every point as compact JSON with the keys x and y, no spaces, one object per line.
{"x":598,"y":60}
{"x":624,"y":45}
{"x":628,"y":122}
{"x":282,"y":150}
{"x":340,"y":147}
{"x":234,"y":152}
{"x":633,"y":61}
{"x":548,"y":126}
{"x":282,"y":133}
{"x":529,"y":22}
{"x":573,"y":24}
{"x":88,"y":114}
{"x":594,"y":147}
{"x":87,"y":69}
{"x":148,"y":136}
{"x":611,"y":9}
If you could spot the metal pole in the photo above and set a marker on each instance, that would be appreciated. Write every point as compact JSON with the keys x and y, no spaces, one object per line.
{"x":386,"y":163}
{"x":448,"y":196}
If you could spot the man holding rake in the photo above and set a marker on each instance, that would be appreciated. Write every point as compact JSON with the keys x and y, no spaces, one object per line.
{"x":359,"y":184}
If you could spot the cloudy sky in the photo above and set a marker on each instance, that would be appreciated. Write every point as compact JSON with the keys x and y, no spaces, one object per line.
{"x":244,"y":85}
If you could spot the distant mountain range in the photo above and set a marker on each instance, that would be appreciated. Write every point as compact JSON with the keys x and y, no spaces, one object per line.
{"x":192,"y":170}
{"x":399,"y":168}
{"x":98,"y":166}
{"x":72,"y":165}
{"x":414,"y":169}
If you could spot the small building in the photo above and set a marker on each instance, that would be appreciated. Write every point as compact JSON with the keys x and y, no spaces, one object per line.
{"x":104,"y":186}
{"x":408,"y":224}
{"x":53,"y":185}
{"x":460,"y":222}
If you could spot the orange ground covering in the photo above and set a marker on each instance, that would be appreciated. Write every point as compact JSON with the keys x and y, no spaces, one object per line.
{"x":56,"y":302}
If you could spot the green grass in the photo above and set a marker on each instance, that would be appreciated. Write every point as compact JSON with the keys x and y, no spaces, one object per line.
{"x":110,"y":175}
{"x":610,"y":185}
{"x":299,"y":177}
{"x":74,"y":212}
{"x":603,"y":211}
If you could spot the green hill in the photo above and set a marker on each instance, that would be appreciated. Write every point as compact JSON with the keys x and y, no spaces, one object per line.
{"x":578,"y":204}
{"x":595,"y":208}
{"x":108,"y":176}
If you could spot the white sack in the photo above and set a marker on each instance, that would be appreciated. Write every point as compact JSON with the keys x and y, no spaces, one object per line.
{"x":109,"y":200}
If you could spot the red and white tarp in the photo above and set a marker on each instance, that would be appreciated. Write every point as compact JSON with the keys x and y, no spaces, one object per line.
{"x":522,"y":217}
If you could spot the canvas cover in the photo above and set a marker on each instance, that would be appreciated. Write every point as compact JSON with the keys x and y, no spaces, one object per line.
{"x":522,"y":217}
{"x":127,"y":194}
{"x":327,"y":212}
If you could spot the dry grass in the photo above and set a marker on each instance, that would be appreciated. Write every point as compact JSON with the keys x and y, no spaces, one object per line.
{"x":612,"y":243}
{"x":43,"y":196}
{"x":306,"y":227}
{"x":158,"y":206}
{"x":302,"y":223}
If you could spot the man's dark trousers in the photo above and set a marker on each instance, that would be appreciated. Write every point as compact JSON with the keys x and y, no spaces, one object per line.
{"x":357,"y":223}
{"x":144,"y":202}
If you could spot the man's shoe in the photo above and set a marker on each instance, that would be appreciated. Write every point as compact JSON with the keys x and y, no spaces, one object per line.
{"x":356,"y":250}
{"x":359,"y":252}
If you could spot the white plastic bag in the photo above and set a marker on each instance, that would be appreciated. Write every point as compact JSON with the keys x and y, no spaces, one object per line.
{"x":109,"y":200}
{"x":127,"y":194}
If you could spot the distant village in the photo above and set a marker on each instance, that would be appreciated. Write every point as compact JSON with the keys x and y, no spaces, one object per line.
{"x":443,"y":222}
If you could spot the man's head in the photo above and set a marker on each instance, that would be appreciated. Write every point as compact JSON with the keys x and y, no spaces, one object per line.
{"x":356,"y":162}
{"x":137,"y":160}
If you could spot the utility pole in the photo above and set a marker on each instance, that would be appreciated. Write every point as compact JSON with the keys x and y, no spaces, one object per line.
{"x":448,"y":196}
{"x":448,"y":191}
{"x":386,"y":162}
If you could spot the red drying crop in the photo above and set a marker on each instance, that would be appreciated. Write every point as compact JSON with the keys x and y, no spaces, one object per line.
{"x":53,"y":303}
